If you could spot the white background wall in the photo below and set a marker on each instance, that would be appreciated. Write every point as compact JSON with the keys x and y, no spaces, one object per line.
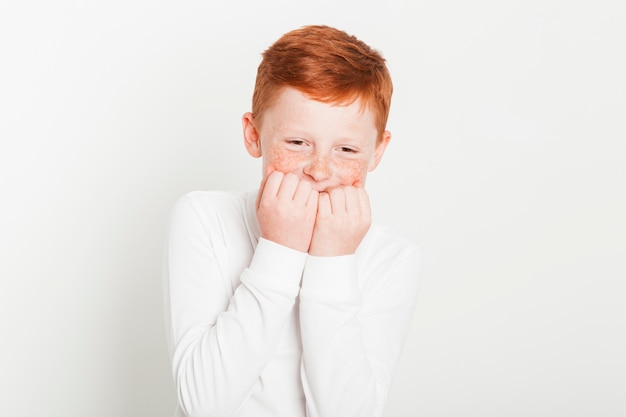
{"x":507,"y":167}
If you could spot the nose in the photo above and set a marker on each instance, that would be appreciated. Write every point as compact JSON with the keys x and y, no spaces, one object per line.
{"x":319,"y":168}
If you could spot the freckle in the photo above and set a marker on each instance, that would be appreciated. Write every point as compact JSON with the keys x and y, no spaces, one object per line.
{"x":354,"y":170}
{"x":281,"y":161}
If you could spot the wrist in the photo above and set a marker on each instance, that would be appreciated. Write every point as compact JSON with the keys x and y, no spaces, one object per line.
{"x":276,"y":262}
{"x":328,"y":251}
{"x":331,"y":277}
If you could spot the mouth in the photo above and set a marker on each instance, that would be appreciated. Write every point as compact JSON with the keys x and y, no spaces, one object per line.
{"x":321,"y":190}
{"x":325,"y":189}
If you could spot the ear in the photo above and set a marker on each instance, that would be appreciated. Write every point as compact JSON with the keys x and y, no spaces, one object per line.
{"x":251,"y":138}
{"x":380,"y":150}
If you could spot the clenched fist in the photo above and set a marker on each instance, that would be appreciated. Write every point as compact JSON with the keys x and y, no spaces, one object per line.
{"x":286,"y":210}
{"x":343,"y":219}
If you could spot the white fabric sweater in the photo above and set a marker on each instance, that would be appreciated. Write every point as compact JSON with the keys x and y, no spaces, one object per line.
{"x":257,"y":329}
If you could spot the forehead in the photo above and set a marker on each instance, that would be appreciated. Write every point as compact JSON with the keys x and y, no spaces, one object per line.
{"x":292,"y":107}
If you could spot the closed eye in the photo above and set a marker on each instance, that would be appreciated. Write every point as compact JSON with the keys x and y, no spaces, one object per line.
{"x":348,"y":150}
{"x":296,"y":142}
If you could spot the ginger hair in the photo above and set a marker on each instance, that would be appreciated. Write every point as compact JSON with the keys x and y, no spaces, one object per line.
{"x":327,"y":65}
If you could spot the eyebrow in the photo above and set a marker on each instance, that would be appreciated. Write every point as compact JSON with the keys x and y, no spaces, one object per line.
{"x":289,"y":131}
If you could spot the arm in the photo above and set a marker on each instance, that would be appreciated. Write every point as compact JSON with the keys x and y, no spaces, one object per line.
{"x":353,"y":336}
{"x":220,"y":344}
{"x":355,"y":309}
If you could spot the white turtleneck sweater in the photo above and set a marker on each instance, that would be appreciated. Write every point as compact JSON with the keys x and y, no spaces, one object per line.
{"x":256,"y":329}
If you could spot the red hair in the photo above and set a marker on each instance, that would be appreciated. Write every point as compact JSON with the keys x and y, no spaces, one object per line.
{"x":327,"y":65}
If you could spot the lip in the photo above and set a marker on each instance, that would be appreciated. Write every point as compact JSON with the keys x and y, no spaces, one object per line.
{"x":324,"y":188}
{"x":319,"y":187}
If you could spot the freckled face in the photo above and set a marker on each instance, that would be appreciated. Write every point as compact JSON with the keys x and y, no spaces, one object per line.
{"x":324,"y":144}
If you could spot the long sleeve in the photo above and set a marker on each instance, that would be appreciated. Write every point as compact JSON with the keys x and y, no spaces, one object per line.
{"x":221,"y":339}
{"x":355,"y":312}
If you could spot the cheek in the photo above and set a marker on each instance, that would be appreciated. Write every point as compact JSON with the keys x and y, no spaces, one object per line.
{"x":350,"y":171}
{"x":282,"y":161}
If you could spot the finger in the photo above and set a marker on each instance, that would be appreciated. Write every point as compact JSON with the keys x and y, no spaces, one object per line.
{"x":364,"y":202}
{"x":357,"y":184}
{"x":272,"y":184}
{"x":323,"y":204}
{"x":288,"y":186}
{"x":313,"y":199}
{"x":303,"y":192}
{"x":268,"y":170}
{"x":338,"y":200}
{"x":352,"y":200}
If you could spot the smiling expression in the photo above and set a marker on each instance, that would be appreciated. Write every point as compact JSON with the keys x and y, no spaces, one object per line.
{"x":325,"y":144}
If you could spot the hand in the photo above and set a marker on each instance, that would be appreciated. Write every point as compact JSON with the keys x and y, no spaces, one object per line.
{"x":343,"y":219}
{"x":286,"y":208}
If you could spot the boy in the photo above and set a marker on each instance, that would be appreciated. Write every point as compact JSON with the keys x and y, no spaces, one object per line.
{"x":285,"y":302}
